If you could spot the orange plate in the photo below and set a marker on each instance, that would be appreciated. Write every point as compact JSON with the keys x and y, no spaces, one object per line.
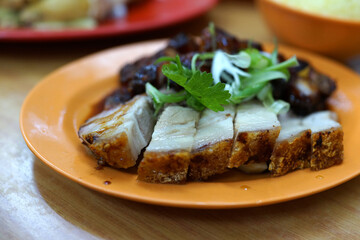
{"x":327,"y":35}
{"x":55,"y":108}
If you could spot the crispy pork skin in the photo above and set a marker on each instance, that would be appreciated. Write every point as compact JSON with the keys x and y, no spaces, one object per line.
{"x":213,"y":143}
{"x":292,"y":149}
{"x":326,"y":139}
{"x":167,"y":158}
{"x":118,"y":135}
{"x":256,"y":130}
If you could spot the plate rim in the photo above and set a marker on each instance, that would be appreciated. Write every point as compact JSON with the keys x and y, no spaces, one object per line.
{"x":172,"y":203}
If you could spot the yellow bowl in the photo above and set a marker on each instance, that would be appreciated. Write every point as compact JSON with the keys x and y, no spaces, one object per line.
{"x":333,"y":37}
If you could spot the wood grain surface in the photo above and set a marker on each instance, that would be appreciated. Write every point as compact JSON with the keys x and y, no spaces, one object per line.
{"x":38,"y":203}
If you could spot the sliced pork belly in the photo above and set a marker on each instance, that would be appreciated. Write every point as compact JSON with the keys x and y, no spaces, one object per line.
{"x":256,"y":130}
{"x":213,"y":142}
{"x":254,"y":167}
{"x":118,"y":135}
{"x":326,"y":139}
{"x":292,"y":149}
{"x":167,"y":158}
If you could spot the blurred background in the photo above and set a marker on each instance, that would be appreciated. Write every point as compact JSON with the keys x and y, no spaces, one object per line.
{"x":69,"y":29}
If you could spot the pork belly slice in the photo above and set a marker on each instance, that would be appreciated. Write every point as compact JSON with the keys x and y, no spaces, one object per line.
{"x":118,"y":135}
{"x":253,"y":168}
{"x":167,"y":158}
{"x":326,"y":139}
{"x":213,"y":143}
{"x":256,"y":130}
{"x":292,"y":149}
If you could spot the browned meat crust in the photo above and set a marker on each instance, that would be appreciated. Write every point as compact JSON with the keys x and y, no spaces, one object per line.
{"x":327,"y":148}
{"x":114,"y":143}
{"x":210,"y":160}
{"x":302,"y":77}
{"x":224,"y":41}
{"x":110,"y":152}
{"x":255,"y":146}
{"x":291,"y":154}
{"x":164,"y":167}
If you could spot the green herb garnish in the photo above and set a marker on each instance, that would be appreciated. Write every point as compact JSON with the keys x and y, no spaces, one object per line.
{"x":261,"y":68}
{"x":160,"y":98}
{"x":199,"y":89}
{"x":233,"y":78}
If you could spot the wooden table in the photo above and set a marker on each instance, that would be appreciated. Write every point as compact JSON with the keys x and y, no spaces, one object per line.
{"x":38,"y":203}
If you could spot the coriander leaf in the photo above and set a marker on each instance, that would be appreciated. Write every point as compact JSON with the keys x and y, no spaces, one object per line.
{"x":160,"y":98}
{"x":173,"y":72}
{"x":191,"y":101}
{"x":201,"y":87}
{"x":178,"y":63}
{"x":164,"y":59}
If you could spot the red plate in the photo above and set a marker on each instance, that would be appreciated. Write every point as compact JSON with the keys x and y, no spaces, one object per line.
{"x":145,"y":16}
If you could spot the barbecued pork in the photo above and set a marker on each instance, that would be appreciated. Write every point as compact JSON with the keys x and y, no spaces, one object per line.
{"x":213,"y":143}
{"x":167,"y":158}
{"x":134,"y":76}
{"x":292,"y":149}
{"x":256,"y":130}
{"x":118,"y":135}
{"x":307,"y":90}
{"x":326,"y":139}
